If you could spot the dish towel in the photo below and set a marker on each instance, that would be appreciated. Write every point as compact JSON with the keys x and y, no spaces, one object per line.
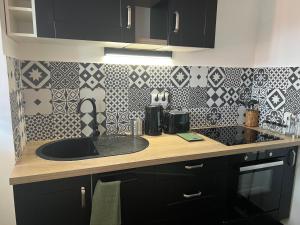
{"x":106,"y":205}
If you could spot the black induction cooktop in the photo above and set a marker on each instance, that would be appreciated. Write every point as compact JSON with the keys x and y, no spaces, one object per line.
{"x":236,"y":135}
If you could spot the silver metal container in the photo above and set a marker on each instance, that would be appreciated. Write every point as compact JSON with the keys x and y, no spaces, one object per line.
{"x":137,"y":127}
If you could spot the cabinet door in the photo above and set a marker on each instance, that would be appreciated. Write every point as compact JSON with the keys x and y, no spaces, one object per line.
{"x":64,"y":202}
{"x":192,"y":23}
{"x":139,"y":202}
{"x":44,"y":18}
{"x":88,"y":20}
{"x":98,"y":20}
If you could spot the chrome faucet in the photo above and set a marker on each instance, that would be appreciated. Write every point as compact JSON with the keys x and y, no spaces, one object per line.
{"x":96,"y":132}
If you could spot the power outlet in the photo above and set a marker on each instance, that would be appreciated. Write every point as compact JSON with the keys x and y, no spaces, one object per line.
{"x":160,"y":98}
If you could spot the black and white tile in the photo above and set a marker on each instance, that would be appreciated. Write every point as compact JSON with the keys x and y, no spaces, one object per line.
{"x":117,"y":122}
{"x":65,"y":101}
{"x":198,"y":76}
{"x":87,"y":120}
{"x":180,"y":98}
{"x":229,"y":115}
{"x":260,"y":78}
{"x":117,"y":99}
{"x":275,"y":116}
{"x":245,"y":93}
{"x":160,"y":76}
{"x":180,"y":76}
{"x":39,"y":127}
{"x":293,"y":101}
{"x":35,"y":74}
{"x":12,"y":79}
{"x":259,"y":94}
{"x":233,"y":77}
{"x":137,"y":114}
{"x":231,"y":96}
{"x":99,"y":94}
{"x":139,"y":98}
{"x":64,"y":75}
{"x":91,"y":75}
{"x":278,"y":77}
{"x":216,"y":97}
{"x":139,"y":76}
{"x":247,"y":77}
{"x":17,"y":105}
{"x":66,"y":126}
{"x":38,"y":101}
{"x":294,"y":79}
{"x":216,"y":77}
{"x":214,"y":116}
{"x":116,"y":76}
{"x":276,"y":99}
{"x":197,"y":97}
{"x":198,"y":117}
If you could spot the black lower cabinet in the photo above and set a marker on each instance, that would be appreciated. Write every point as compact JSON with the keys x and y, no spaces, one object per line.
{"x":139,"y":202}
{"x":232,"y":190}
{"x":60,"y":202}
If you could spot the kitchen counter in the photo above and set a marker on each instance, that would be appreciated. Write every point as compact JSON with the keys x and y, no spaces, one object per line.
{"x":162,"y":149}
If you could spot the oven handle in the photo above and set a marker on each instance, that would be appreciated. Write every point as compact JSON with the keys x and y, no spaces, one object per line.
{"x":261,"y":166}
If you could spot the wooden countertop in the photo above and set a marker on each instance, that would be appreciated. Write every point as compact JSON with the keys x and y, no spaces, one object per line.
{"x":162,"y":149}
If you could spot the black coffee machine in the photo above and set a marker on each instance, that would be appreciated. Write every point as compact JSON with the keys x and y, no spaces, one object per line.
{"x":153,"y":120}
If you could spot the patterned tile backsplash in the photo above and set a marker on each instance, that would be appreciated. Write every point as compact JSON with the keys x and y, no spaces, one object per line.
{"x":17,"y":105}
{"x":45,"y":95}
{"x":278,"y":92}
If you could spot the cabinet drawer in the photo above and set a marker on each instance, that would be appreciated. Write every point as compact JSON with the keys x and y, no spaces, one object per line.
{"x":274,"y":153}
{"x":196,"y":166}
{"x":191,"y":187}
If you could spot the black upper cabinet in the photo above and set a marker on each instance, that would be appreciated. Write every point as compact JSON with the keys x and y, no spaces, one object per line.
{"x":63,"y":201}
{"x":87,"y":20}
{"x":173,"y":22}
{"x":45,"y":18}
{"x":192,"y":23}
{"x":98,"y":20}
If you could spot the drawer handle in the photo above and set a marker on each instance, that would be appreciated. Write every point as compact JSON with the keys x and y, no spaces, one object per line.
{"x":194,"y":167}
{"x":294,"y":158}
{"x":129,"y":15}
{"x":177,"y":22}
{"x":192,"y":195}
{"x":82,"y":197}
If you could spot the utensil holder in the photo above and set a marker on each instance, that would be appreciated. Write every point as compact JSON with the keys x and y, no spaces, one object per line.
{"x":252,"y":118}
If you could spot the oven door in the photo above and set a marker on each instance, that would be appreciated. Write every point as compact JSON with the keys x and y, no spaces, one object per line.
{"x":259,"y":184}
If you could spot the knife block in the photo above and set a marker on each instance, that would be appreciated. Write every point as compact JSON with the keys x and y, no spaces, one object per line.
{"x":252,"y":118}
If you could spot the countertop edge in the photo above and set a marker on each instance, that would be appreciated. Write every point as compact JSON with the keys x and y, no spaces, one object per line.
{"x":151,"y":162}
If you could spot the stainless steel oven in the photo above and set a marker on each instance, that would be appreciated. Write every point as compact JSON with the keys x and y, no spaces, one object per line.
{"x":260,"y":183}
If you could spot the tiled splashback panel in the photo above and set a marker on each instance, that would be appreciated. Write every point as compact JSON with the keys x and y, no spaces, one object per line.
{"x":44,"y":95}
{"x":52,"y":90}
{"x":278,"y":92}
{"x":17,"y":105}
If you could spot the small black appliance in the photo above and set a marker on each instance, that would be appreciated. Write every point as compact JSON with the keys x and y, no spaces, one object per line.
{"x":153,"y":120}
{"x":176,"y":121}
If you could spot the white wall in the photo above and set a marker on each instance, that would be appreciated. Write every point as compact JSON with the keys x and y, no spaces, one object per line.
{"x":7,"y":155}
{"x":235,"y":37}
{"x":235,"y":41}
{"x":278,"y":33}
{"x":7,"y":159}
{"x":278,"y":44}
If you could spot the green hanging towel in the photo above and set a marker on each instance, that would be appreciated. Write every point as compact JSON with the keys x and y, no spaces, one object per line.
{"x":106,"y":206}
